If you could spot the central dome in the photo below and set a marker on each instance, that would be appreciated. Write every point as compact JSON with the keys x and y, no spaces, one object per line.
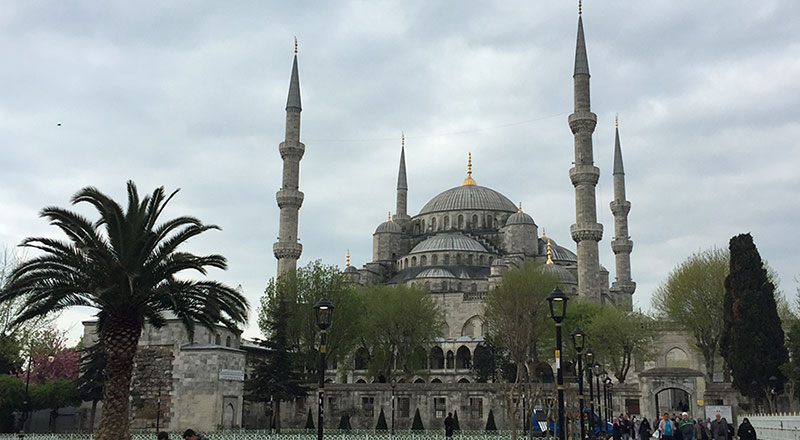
{"x":469,"y":198}
{"x":448,"y":242}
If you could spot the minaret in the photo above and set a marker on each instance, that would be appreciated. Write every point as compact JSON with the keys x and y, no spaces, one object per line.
{"x":584,"y":175}
{"x":623,"y":287}
{"x":287,"y":249}
{"x":402,"y":185}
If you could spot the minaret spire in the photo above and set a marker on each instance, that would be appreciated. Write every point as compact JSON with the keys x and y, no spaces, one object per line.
{"x":287,"y":249}
{"x":623,"y":287}
{"x":401,"y":213}
{"x":584,"y":176}
{"x":469,"y":181}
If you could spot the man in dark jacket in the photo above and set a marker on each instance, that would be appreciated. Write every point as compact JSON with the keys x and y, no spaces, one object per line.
{"x":448,"y":425}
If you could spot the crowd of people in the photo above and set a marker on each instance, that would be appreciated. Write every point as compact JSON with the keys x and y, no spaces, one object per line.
{"x":680,"y":428}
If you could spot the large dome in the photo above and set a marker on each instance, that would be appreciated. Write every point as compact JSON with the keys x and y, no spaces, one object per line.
{"x":448,"y":242}
{"x":469,"y":198}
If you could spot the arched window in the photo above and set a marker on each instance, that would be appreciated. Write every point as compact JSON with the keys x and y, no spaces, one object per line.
{"x":405,"y":265}
{"x":423,"y":260}
{"x":469,"y":260}
{"x":488,"y":221}
{"x":418,"y":380}
{"x":361,"y":381}
{"x":423,"y":227}
{"x":450,"y":358}
{"x":475,"y":224}
{"x":446,"y":222}
{"x":480,"y":260}
{"x":437,"y":358}
{"x":460,"y":221}
{"x":433,"y":223}
{"x":427,"y":285}
{"x":416,"y":228}
{"x":677,"y":358}
{"x":446,"y":259}
{"x":463,"y":358}
{"x":459,"y":286}
{"x":228,"y":341}
{"x":490,"y":260}
{"x":413,"y":261}
{"x":436,"y":380}
{"x":218,"y":340}
{"x":474,"y":288}
{"x":458,"y":259}
{"x":473,"y":327}
{"x":463,"y":380}
{"x":435,"y":260}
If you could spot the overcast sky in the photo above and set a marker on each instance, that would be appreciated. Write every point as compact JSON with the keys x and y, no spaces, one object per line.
{"x":191,"y":95}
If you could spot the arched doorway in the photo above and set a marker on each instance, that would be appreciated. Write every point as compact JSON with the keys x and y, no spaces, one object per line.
{"x":673,"y":400}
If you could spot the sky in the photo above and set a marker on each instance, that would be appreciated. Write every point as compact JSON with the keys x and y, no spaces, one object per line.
{"x":192,"y":95}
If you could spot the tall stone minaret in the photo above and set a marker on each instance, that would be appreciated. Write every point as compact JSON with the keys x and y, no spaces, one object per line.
{"x":287,"y":249}
{"x":401,"y":213}
{"x":623,"y":287}
{"x":584,"y":175}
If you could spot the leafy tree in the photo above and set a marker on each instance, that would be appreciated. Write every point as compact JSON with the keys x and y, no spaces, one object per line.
{"x":490,"y":425}
{"x":388,"y":334}
{"x":515,"y":317}
{"x":381,"y":425}
{"x":53,"y":395}
{"x":791,"y":369}
{"x":277,"y":379}
{"x":309,"y":421}
{"x":752,"y":340}
{"x":12,"y":394}
{"x":301,"y":289}
{"x":484,"y":364}
{"x":128,"y":267}
{"x":417,"y":425}
{"x":91,"y":378}
{"x":619,"y":336}
{"x":691,"y":296}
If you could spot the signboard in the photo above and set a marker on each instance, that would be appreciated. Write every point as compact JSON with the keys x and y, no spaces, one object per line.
{"x":723,"y":410}
{"x":237,"y":375}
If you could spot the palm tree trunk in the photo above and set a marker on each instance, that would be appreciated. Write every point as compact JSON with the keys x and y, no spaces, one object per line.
{"x":120,"y":335}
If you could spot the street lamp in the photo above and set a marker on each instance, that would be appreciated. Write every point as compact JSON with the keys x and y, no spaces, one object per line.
{"x":558,"y":309}
{"x":578,"y":343}
{"x":394,"y":385}
{"x":609,"y":409}
{"x":598,"y":372}
{"x":589,"y":355}
{"x":324,"y":312}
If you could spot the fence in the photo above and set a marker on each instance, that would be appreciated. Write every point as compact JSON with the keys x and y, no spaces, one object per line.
{"x":780,"y":426}
{"x":304,"y":435}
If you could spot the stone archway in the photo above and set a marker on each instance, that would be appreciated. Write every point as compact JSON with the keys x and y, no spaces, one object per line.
{"x":654,"y":381}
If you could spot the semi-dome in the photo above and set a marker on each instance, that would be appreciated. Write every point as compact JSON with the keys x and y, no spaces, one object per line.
{"x":469,"y":198}
{"x":435,"y":272}
{"x":449,"y":242}
{"x":520,"y":218}
{"x":389,"y":226}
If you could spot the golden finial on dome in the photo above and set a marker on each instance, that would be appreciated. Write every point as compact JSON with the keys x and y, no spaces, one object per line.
{"x":295,"y":45}
{"x":543,"y":234}
{"x":347,"y":264}
{"x":549,"y":253}
{"x":580,"y":8}
{"x":390,"y":217}
{"x":520,"y":208}
{"x":469,"y":181}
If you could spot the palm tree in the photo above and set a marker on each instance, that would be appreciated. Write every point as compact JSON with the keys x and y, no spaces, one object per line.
{"x":127,"y":267}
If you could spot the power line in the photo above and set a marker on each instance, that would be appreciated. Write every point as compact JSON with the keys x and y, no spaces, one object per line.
{"x":452,"y":133}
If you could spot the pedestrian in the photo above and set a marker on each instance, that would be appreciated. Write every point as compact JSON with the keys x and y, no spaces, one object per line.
{"x":162,"y":436}
{"x":616,"y":429}
{"x":719,"y":428}
{"x":746,"y":430}
{"x":731,"y":430}
{"x":644,"y":429}
{"x":686,"y":427}
{"x":625,"y":425}
{"x":635,"y":425}
{"x":448,"y":425}
{"x":666,"y":428}
{"x":189,"y":434}
{"x":700,"y":432}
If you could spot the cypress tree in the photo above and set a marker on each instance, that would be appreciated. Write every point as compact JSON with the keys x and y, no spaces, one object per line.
{"x":416,"y":425}
{"x":456,"y":426}
{"x":752,"y":341}
{"x":381,"y":426}
{"x":309,"y":421}
{"x":490,"y":425}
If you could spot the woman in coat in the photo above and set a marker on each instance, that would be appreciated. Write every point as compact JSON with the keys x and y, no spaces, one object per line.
{"x":616,"y":429}
{"x":746,"y":430}
{"x":644,"y":429}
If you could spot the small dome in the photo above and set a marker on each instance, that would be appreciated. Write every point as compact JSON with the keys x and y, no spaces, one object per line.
{"x":390,"y":227}
{"x":520,"y":218}
{"x":435,"y":272}
{"x":350,"y":269}
{"x":561,"y":273}
{"x":469,"y":198}
{"x":559,"y":253}
{"x":449,"y":242}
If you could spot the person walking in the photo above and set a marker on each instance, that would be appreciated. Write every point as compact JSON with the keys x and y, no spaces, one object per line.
{"x":666,"y":428}
{"x":448,"y":425}
{"x":616,"y":429}
{"x":162,"y":436}
{"x":719,"y":428}
{"x":686,"y":427}
{"x":700,"y":431}
{"x":746,"y":430}
{"x":635,"y":425}
{"x":644,"y":429}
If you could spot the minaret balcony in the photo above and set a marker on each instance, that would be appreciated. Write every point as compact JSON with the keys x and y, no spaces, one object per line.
{"x":582,"y":121}
{"x":584,"y":175}
{"x":287,"y":250}
{"x":586,"y":231}
{"x":621,"y":245}
{"x":620,"y":207}
{"x":291,"y":198}
{"x":292,"y":149}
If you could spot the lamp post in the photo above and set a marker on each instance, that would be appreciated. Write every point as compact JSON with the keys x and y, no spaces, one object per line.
{"x":578,"y":343}
{"x":598,"y":372}
{"x":324,"y":312}
{"x":394,"y":385}
{"x":589,"y":355}
{"x":558,"y":309}
{"x":609,"y":410}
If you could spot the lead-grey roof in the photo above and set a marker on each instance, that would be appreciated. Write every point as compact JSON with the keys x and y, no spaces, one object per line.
{"x":462,"y":272}
{"x":581,"y":60}
{"x":448,"y":242}
{"x":520,"y":218}
{"x":558,"y":253}
{"x":435,"y":272}
{"x":618,"y":168}
{"x":402,"y":182}
{"x":561,"y":273}
{"x":469,"y":198}
{"x":390,"y":227}
{"x":293,"y":101}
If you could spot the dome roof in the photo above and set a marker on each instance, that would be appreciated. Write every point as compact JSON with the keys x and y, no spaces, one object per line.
{"x":520,"y":218}
{"x":561,"y":273}
{"x":469,"y":197}
{"x":449,"y":242}
{"x":389,"y":226}
{"x":435,"y":272}
{"x":559,"y":253}
{"x":350,"y":269}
